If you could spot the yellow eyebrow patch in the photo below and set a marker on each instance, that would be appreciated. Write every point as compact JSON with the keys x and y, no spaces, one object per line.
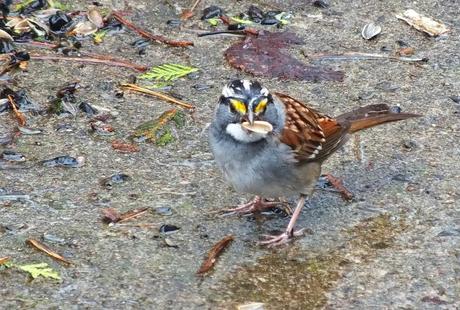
{"x":261,"y":106}
{"x":238,"y":105}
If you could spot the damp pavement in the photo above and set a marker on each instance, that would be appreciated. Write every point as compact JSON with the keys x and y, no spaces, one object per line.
{"x":395,"y":246}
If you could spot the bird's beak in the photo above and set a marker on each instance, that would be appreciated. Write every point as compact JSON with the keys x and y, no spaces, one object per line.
{"x":251,"y":117}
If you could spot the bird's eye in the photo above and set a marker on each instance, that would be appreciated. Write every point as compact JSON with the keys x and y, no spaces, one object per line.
{"x":261,"y":106}
{"x":239,"y":106}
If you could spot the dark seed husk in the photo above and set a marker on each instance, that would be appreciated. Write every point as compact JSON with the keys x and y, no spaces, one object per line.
{"x":88,"y":109}
{"x":59,"y":22}
{"x":141,"y":43}
{"x":115,"y":179}
{"x":455,"y":99}
{"x":272,"y":13}
{"x":201,"y":87}
{"x":13,"y":156}
{"x":269,"y":21}
{"x":234,"y":27}
{"x":211,"y":12}
{"x":64,"y":161}
{"x":168,"y":229}
{"x":174,"y":22}
{"x":321,"y":4}
{"x":255,"y":13}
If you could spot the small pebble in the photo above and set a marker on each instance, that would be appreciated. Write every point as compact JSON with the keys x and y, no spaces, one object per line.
{"x":164,"y":211}
{"x":170,"y":243}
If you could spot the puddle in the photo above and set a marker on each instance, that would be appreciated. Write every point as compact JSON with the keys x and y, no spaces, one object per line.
{"x":295,"y":278}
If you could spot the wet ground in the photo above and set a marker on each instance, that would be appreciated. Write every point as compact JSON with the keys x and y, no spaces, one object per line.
{"x":395,"y":246}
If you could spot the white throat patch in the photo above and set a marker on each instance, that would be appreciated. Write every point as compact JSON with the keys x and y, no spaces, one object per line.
{"x":242,"y":135}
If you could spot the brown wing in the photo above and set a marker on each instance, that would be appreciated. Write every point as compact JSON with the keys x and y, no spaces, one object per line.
{"x":312,"y":135}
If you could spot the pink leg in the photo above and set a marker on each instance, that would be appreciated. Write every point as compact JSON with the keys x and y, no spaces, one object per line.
{"x":288,"y":235}
{"x":255,"y":205}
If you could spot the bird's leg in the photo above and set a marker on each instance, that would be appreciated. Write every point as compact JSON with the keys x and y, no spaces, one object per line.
{"x":255,"y":205}
{"x":289,"y":233}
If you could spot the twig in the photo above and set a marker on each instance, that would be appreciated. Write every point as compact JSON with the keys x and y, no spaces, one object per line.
{"x":93,"y":58}
{"x":337,"y":184}
{"x":148,"y":35}
{"x":214,"y":253}
{"x":361,"y":56}
{"x":138,"y":89}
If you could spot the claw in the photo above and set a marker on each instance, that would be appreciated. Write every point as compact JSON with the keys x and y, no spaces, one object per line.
{"x":285,"y":237}
{"x":256,"y":205}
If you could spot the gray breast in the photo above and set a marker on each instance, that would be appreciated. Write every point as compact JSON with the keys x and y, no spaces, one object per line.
{"x":265,"y":168}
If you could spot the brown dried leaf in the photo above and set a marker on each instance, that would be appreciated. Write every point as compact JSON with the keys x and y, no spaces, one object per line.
{"x":110,"y":215}
{"x":123,"y":147}
{"x":406,"y":51}
{"x":214,"y":253}
{"x":262,"y":56}
{"x":40,"y":246}
{"x":186,"y":14}
{"x":19,"y":115}
{"x":4,"y":260}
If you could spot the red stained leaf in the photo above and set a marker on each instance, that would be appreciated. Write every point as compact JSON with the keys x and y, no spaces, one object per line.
{"x":262,"y":55}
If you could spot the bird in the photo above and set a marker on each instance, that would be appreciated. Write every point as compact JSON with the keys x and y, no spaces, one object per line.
{"x":273,"y":145}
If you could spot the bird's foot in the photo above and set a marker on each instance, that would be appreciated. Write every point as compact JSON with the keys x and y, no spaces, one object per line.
{"x":285,"y":237}
{"x":257,"y":204}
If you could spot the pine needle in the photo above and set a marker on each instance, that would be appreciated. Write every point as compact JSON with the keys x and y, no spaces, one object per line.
{"x":167,"y":72}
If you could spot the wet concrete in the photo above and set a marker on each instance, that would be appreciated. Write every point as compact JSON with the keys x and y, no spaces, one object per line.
{"x":394,"y":246}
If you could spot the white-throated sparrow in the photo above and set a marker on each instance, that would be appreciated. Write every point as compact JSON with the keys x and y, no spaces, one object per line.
{"x":272,"y":145}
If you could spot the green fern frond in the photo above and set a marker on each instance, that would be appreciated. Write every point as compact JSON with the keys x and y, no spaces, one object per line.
{"x":40,"y":269}
{"x":167,"y":72}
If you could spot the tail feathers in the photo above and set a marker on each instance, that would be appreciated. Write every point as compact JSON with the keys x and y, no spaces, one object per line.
{"x":372,"y":115}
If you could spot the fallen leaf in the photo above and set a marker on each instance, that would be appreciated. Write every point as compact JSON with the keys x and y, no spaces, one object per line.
{"x":262,"y":55}
{"x":123,"y":147}
{"x":214,"y":253}
{"x":4,"y":260}
{"x":40,"y":269}
{"x":40,"y":246}
{"x":19,"y":116}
